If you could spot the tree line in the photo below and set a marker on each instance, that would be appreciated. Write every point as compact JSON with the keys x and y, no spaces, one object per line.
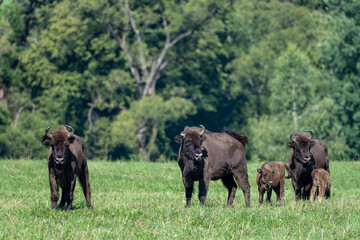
{"x":130,"y":75}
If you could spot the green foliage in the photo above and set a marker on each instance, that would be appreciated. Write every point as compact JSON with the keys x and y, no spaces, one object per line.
{"x":5,"y":117}
{"x":241,"y":64}
{"x":293,"y":83}
{"x":268,"y":137}
{"x":322,"y":118}
{"x":133,"y":200}
{"x":24,"y":140}
{"x":150,"y":112}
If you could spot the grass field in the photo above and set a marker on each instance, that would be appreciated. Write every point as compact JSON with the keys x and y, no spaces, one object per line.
{"x":143,"y":200}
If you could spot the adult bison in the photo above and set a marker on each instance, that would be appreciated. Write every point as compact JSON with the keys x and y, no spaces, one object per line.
{"x":307,"y":154}
{"x":205,"y":156}
{"x":66,"y":162}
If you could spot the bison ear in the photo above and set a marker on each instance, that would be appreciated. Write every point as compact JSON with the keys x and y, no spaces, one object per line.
{"x":312,"y":143}
{"x":178,"y":139}
{"x":273,"y":171}
{"x":290,"y":144}
{"x":202,"y":138}
{"x":259,"y":170}
{"x":71,"y":139}
{"x":46,"y":140}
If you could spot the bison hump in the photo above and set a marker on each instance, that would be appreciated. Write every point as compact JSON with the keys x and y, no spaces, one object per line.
{"x":241,"y":138}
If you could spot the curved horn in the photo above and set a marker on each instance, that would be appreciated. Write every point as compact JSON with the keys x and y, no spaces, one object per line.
{"x":292,"y":134}
{"x":202,"y":130}
{"x":72,"y":130}
{"x":47,"y":131}
{"x":311,"y":133}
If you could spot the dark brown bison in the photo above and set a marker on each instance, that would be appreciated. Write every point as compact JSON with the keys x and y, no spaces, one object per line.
{"x":66,"y":162}
{"x":205,"y":156}
{"x":271,"y":176}
{"x":307,"y":153}
{"x":321,"y":184}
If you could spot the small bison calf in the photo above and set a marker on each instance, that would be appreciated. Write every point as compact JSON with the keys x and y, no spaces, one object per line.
{"x":321,"y":184}
{"x":271,"y":176}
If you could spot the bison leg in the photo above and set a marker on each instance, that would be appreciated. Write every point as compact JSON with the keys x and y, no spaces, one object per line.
{"x":282,"y":191}
{"x":327,"y":192}
{"x":268,"y":197}
{"x":70,"y":195}
{"x":189,"y":187}
{"x":203,"y":188}
{"x":241,"y":177}
{"x":230,"y":184}
{"x":85,"y":184}
{"x":313,"y":193}
{"x":277,"y":190}
{"x":54,"y":188}
{"x":261,"y":194}
{"x":306,"y":191}
{"x":321,"y":194}
{"x":63,"y":198}
{"x":297,"y":190}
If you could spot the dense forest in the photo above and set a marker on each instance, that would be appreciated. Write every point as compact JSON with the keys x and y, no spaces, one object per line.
{"x":130,"y":75}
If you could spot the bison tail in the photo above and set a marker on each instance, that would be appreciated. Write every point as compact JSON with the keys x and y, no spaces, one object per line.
{"x":290,"y":173}
{"x":241,"y":138}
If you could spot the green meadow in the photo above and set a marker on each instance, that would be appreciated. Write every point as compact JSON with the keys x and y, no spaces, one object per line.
{"x":145,"y":200}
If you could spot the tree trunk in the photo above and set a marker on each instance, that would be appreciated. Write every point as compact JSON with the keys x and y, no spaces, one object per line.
{"x":146,"y":76}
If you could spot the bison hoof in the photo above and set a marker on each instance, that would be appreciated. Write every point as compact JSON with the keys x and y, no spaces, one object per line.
{"x":54,"y":206}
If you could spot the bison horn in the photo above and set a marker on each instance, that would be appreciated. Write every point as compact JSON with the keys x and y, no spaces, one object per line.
{"x":72,"y":131}
{"x":202,"y":130}
{"x":311,"y":133}
{"x":47,"y":131}
{"x":292,"y":134}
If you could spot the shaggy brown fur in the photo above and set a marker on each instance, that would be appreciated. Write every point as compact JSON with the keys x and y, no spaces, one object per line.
{"x":307,"y":153}
{"x":321,"y":184}
{"x":66,"y":162}
{"x":212,"y":156}
{"x":271,"y":176}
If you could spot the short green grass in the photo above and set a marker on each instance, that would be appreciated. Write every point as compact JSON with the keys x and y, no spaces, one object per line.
{"x":143,"y":200}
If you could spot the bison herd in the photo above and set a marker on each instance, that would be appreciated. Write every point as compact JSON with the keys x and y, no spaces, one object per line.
{"x":203,"y":156}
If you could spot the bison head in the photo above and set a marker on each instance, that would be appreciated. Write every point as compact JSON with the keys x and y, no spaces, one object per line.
{"x":190,"y":140}
{"x":266,"y":177}
{"x":301,"y":144}
{"x":59,"y":141}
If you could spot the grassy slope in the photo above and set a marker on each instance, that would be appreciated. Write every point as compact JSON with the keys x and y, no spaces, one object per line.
{"x":146,"y":200}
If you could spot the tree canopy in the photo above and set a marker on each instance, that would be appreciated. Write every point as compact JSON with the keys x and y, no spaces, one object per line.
{"x":130,"y":75}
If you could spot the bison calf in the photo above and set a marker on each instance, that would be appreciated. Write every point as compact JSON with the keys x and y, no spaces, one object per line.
{"x":271,"y":176}
{"x":66,"y":162}
{"x":321,"y":184}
